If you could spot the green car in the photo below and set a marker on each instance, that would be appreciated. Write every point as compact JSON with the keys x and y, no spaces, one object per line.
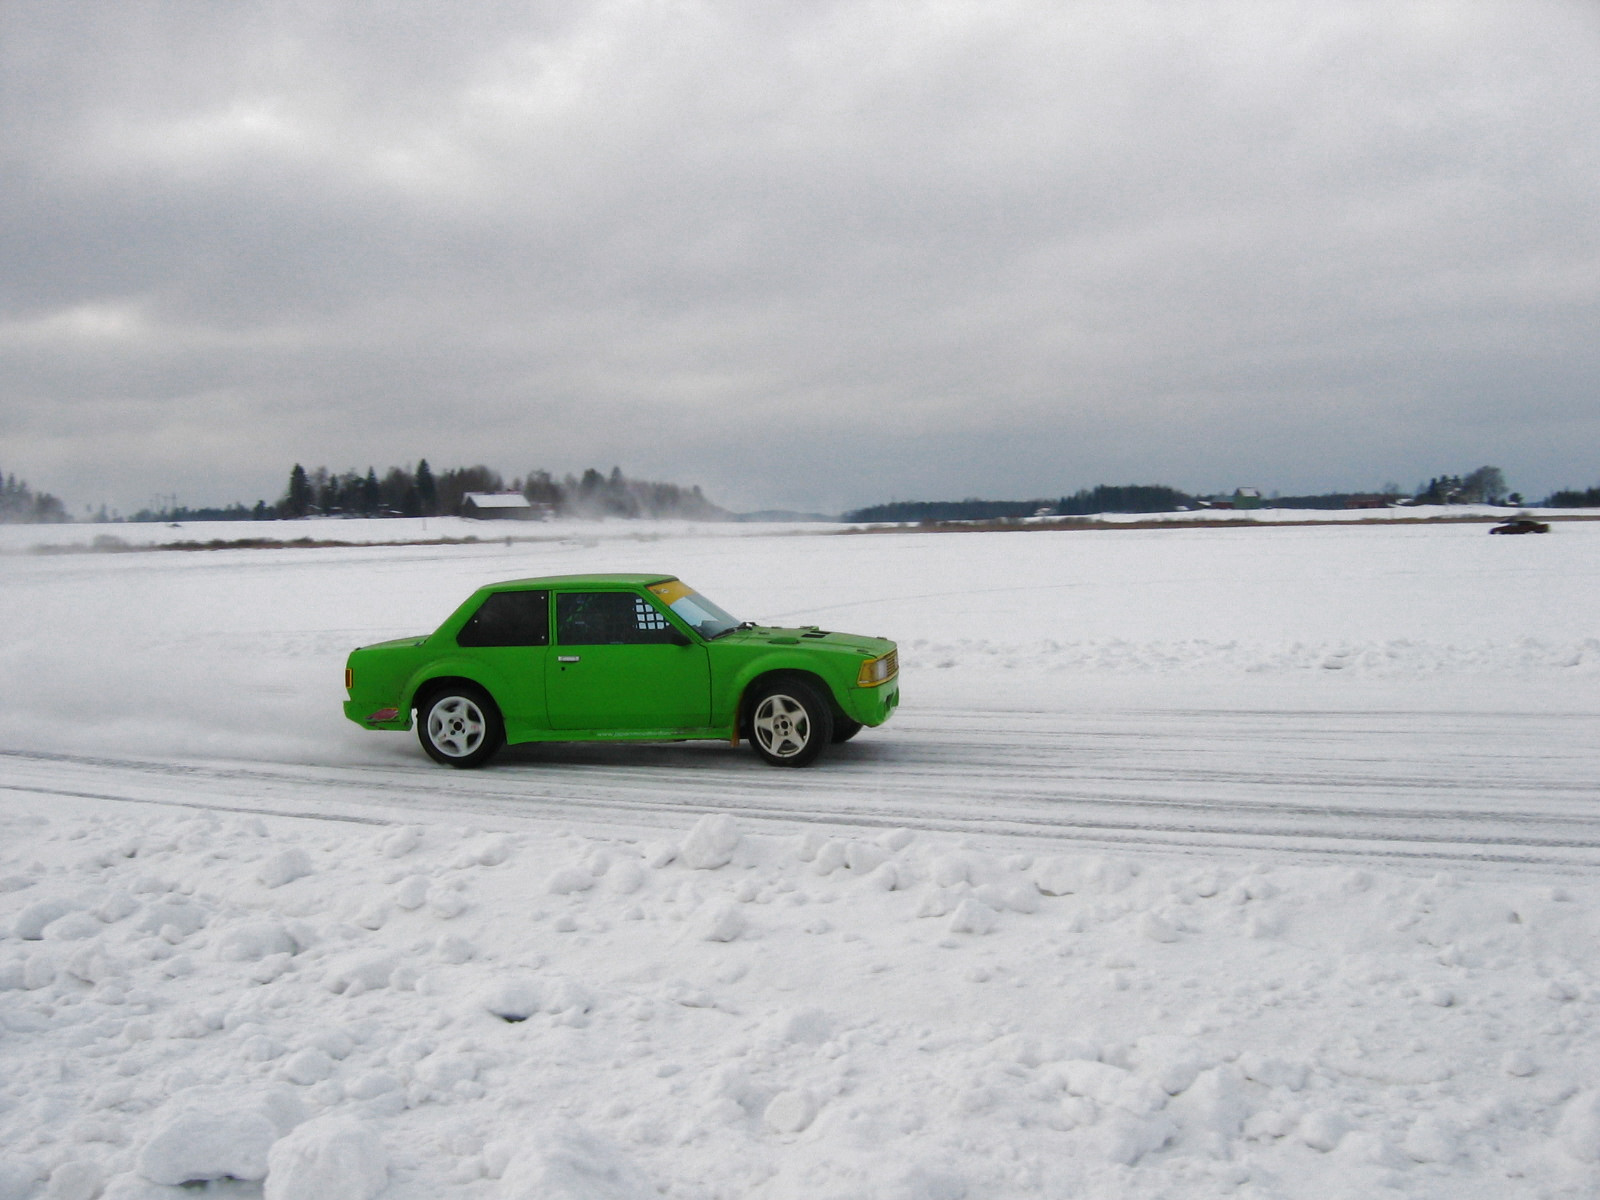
{"x":576,"y":658}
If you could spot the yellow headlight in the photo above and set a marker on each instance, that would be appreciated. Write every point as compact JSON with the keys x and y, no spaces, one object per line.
{"x":875,"y":671}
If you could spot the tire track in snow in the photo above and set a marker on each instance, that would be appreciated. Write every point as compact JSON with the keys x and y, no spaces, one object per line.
{"x":1446,"y":787}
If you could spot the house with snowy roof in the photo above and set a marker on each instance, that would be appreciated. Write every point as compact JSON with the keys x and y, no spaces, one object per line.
{"x":501,"y":506}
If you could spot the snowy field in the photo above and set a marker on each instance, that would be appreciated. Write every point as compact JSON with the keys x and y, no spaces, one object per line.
{"x":126,"y":535}
{"x":1208,"y":862}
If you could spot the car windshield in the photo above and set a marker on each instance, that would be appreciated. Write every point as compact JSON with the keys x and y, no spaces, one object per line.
{"x":708,"y":620}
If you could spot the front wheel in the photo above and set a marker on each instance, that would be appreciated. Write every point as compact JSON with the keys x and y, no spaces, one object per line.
{"x":790,"y":724}
{"x":460,"y":726}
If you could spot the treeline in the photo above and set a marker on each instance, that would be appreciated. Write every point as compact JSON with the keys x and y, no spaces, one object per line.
{"x":1131,"y":498}
{"x":404,"y":492}
{"x":20,"y":504}
{"x":1568,"y":498}
{"x":1484,"y":485}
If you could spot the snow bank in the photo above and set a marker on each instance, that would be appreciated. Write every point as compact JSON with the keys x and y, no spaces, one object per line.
{"x":738,"y":1014}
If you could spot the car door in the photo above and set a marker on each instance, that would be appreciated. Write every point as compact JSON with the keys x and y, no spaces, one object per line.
{"x":620,"y":664}
{"x":508,"y":639}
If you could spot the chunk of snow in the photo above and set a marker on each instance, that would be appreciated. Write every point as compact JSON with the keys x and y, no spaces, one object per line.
{"x":1273,"y":1072}
{"x":711,"y":843}
{"x":829,"y":858}
{"x":791,"y":1111}
{"x":18,"y":1177}
{"x":400,"y":842}
{"x":937,"y":901}
{"x":948,"y":870}
{"x":569,"y":1163}
{"x":412,"y":892}
{"x":1012,"y":896}
{"x":1519,"y":1063}
{"x":1124,"y":1139}
{"x":567,"y":996}
{"x":307,"y":1066}
{"x":660,"y":854}
{"x":360,"y":972}
{"x":625,"y":878}
{"x":1158,"y":928}
{"x":1109,"y":874}
{"x":454,"y":949}
{"x":1112,"y":1085}
{"x":75,"y":1179}
{"x":719,"y":922}
{"x":446,"y":903}
{"x":808,"y":1026}
{"x":886,"y":878}
{"x":441,"y":1072}
{"x":253,"y":941}
{"x":30,"y":923}
{"x":371,"y":1084}
{"x":512,"y":999}
{"x":1057,"y":876}
{"x":331,"y":1157}
{"x":570,"y":879}
{"x":284,"y":867}
{"x":191,"y":1145}
{"x":1579,"y":1127}
{"x":895,"y":840}
{"x":271,"y":967}
{"x":74,"y":927}
{"x":1323,"y":1130}
{"x":1432,"y":1139}
{"x":864,"y":857}
{"x":489,"y":851}
{"x":973,"y":916}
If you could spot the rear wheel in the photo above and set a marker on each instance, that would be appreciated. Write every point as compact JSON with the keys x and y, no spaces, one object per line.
{"x":789,"y":724}
{"x":460,"y":726}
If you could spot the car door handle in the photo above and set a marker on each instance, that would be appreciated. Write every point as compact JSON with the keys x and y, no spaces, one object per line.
{"x":568,"y":658}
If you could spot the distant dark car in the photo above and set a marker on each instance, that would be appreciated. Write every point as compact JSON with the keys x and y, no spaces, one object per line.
{"x":1521,"y":525}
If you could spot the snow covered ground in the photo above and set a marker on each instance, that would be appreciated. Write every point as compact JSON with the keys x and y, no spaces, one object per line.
{"x":126,"y":535}
{"x":1250,"y":862}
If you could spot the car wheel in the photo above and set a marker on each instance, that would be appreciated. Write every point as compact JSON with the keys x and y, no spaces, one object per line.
{"x":789,"y":724}
{"x":845,"y":728}
{"x":460,"y":726}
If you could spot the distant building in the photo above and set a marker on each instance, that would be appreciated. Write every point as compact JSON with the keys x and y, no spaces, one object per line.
{"x":1245,"y":497}
{"x":500,"y":506}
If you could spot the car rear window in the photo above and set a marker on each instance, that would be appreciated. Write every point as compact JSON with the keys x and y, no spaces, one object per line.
{"x":509,"y":619}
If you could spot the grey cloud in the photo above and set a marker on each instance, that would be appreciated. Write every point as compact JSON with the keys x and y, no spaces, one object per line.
{"x":810,"y":254}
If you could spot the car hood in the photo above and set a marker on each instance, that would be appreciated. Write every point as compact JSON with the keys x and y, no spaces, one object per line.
{"x":809,"y":635}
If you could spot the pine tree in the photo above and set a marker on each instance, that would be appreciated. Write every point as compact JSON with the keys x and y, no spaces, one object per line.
{"x":297,"y":501}
{"x":427,"y":491}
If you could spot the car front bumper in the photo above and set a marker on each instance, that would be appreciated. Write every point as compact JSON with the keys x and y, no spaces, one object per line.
{"x":872,"y":705}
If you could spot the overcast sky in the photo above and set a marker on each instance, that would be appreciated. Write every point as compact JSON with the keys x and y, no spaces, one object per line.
{"x":804,"y":254}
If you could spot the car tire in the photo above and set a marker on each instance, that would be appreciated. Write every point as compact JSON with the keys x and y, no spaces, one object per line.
{"x":460,"y":726}
{"x":789,"y":724}
{"x":845,"y":728}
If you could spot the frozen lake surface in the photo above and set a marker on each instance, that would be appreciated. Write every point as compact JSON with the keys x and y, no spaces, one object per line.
{"x":1204,"y":861}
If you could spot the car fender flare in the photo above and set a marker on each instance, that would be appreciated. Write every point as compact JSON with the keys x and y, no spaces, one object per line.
{"x":758,"y":671}
{"x":444,"y":671}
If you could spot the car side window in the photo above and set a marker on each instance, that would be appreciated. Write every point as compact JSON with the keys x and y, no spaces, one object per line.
{"x":610,"y":619}
{"x":509,"y":619}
